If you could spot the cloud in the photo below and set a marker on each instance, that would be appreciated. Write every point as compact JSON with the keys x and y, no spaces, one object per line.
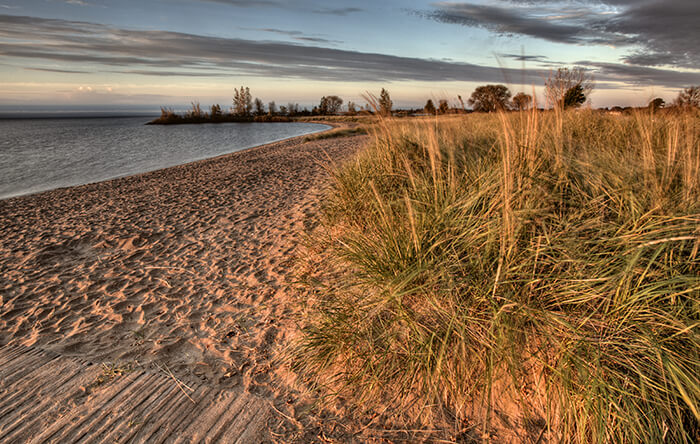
{"x":642,"y":75}
{"x":297,"y":35}
{"x":250,"y":3}
{"x":163,"y":73}
{"x":337,"y":11}
{"x":560,"y":25}
{"x":172,"y":53}
{"x":529,"y":58}
{"x":285,"y":5}
{"x":659,"y":32}
{"x":90,"y":46}
{"x":64,"y":71}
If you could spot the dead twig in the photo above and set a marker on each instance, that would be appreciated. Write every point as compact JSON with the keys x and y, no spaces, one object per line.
{"x":181,"y":385}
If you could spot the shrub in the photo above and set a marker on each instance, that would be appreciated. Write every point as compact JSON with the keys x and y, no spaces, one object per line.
{"x":575,"y":82}
{"x":429,"y":107}
{"x":689,"y":97}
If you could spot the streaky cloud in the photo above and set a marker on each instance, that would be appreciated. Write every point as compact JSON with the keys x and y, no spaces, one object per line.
{"x":286,"y":5}
{"x":57,"y":70}
{"x":168,"y":53}
{"x":83,"y":42}
{"x":297,"y":35}
{"x":658,"y":32}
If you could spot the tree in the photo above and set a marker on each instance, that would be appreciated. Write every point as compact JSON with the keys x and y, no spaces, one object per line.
{"x":283,"y":110}
{"x":688,"y":97}
{"x":330,"y":105}
{"x":489,"y":98}
{"x":429,"y":108}
{"x":196,"y":111}
{"x":215,"y":111}
{"x":271,"y":108}
{"x":656,"y":103}
{"x":352,"y":108}
{"x":259,"y":107}
{"x":242,"y":101}
{"x":443,"y":107}
{"x":563,"y":80}
{"x":574,"y":97}
{"x":292,"y":109}
{"x":522,"y":101}
{"x":385,"y":103}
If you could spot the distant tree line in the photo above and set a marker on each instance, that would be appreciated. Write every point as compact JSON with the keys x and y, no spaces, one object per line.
{"x":687,"y":98}
{"x":564,"y":89}
{"x":245,"y":108}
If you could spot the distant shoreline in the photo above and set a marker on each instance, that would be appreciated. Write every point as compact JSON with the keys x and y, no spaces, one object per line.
{"x":228,"y":118}
{"x":45,"y":116}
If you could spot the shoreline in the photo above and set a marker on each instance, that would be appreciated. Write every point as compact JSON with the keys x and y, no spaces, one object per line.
{"x":32,"y":193}
{"x":185,"y":267}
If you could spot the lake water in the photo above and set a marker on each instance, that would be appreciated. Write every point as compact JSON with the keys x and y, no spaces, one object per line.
{"x":44,"y":154}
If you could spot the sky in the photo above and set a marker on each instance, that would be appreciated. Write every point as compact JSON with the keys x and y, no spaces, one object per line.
{"x":143,"y":54}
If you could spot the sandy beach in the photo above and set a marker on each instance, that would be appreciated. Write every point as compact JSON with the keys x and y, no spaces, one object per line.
{"x":184,"y":268}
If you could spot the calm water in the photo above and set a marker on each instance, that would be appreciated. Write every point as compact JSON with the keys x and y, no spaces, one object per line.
{"x":43,"y":154}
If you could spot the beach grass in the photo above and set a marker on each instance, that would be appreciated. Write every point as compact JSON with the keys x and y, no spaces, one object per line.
{"x":337,"y":132}
{"x":196,"y":115}
{"x":361,"y":118}
{"x":534,"y":271}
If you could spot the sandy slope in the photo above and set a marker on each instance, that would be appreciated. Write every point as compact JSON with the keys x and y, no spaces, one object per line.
{"x":184,"y":266}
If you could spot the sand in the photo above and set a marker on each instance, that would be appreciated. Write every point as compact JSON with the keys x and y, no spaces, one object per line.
{"x":185,"y":267}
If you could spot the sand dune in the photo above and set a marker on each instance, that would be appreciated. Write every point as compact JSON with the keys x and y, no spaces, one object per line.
{"x":185,"y":266}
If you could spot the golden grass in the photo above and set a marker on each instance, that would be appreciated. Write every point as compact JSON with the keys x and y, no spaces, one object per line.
{"x":532,"y":271}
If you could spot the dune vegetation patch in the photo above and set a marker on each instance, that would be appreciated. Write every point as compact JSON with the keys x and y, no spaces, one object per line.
{"x":531,"y":272}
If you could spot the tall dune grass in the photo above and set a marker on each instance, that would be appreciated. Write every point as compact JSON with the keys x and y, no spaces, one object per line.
{"x":537,"y":271}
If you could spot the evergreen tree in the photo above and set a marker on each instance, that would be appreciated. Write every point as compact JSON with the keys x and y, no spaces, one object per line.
{"x":656,"y":103}
{"x":385,"y":103}
{"x":259,"y":107}
{"x":574,"y":97}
